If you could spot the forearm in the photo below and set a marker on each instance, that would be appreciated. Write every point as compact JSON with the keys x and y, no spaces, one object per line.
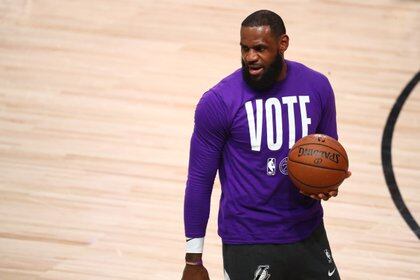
{"x":193,"y":257}
{"x":206,"y":148}
{"x":196,"y":209}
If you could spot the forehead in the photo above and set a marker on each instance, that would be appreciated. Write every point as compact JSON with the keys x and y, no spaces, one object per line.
{"x":256,"y":35}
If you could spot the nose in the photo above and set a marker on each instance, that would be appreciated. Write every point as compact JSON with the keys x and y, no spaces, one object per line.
{"x":251,"y":56}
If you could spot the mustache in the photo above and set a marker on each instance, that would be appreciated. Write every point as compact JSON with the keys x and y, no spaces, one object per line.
{"x":252,"y":65}
{"x":268,"y":77}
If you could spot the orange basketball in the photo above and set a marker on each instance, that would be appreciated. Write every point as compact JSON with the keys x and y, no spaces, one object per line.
{"x":317,"y":164}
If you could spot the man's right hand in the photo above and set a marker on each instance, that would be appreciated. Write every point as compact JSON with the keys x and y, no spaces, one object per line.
{"x":195,"y":272}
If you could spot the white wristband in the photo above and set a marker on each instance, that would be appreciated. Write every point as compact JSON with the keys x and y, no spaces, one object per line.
{"x":195,"y":245}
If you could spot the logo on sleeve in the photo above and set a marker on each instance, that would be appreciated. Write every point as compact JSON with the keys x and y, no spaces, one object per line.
{"x":262,"y":272}
{"x":330,"y":261}
{"x":328,"y":255}
{"x":330,"y":273}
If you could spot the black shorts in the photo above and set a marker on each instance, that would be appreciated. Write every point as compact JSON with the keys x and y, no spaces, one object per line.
{"x":309,"y":259}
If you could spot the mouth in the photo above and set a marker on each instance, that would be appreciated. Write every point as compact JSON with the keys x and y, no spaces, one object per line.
{"x":255,"y":70}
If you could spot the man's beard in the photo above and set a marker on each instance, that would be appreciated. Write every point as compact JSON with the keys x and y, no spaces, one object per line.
{"x":267,"y":79}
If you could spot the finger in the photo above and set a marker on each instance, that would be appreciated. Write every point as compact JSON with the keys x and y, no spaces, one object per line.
{"x":333,"y":193}
{"x":314,"y":197}
{"x":322,"y":196}
{"x":206,"y":276}
{"x":348,"y":174}
{"x":304,"y":193}
{"x":326,"y":197}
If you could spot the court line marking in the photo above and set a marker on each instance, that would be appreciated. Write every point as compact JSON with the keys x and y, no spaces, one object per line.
{"x":387,"y":156}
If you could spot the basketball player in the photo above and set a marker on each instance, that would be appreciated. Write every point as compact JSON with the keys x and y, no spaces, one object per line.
{"x":244,"y":128}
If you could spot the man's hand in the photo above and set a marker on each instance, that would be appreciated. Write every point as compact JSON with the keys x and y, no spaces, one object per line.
{"x":325,"y":196}
{"x":195,"y":272}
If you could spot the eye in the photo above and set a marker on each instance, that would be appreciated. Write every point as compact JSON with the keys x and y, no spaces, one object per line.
{"x":260,"y":48}
{"x":244,"y":48}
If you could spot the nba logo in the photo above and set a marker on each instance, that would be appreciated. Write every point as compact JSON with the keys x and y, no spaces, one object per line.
{"x":271,"y":166}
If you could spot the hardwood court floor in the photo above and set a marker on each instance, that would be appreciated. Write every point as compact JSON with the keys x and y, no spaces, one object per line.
{"x":96,"y":110}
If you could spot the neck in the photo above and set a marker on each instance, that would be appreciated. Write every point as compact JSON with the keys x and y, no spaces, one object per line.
{"x":283,"y":71}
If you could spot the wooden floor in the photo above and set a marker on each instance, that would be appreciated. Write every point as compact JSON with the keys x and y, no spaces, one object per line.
{"x":96,"y":110}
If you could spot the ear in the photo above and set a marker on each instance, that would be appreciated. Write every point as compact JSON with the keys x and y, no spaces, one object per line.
{"x":283,"y":43}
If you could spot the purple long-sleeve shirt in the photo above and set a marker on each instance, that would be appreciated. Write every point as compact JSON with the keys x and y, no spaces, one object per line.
{"x":246,"y":136}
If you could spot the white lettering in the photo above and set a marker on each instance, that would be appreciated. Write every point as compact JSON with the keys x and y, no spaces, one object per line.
{"x":272,"y":144}
{"x":274,"y":120}
{"x":304,"y":116}
{"x":255,"y":129}
{"x":290,"y":101}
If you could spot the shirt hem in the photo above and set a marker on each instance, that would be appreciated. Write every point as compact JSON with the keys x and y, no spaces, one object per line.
{"x":271,"y":241}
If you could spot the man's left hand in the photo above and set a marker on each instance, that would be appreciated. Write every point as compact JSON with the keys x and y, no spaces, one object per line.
{"x":323,"y":196}
{"x":326,"y":196}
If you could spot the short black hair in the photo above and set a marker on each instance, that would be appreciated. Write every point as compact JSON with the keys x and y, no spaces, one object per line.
{"x":268,"y":18}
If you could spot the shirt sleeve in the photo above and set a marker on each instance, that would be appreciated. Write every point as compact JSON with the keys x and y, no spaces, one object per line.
{"x":328,"y":121}
{"x":207,"y":141}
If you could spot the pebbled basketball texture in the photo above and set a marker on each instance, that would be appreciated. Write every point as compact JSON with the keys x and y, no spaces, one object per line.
{"x":317,"y":163}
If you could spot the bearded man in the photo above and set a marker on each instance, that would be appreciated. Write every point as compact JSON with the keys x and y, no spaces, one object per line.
{"x":244,"y":128}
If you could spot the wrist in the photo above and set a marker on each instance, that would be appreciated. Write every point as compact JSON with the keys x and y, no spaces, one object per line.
{"x":195,"y":245}
{"x":193,"y":258}
{"x":196,"y":263}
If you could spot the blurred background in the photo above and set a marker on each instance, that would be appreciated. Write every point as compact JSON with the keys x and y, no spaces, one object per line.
{"x":96,"y":112}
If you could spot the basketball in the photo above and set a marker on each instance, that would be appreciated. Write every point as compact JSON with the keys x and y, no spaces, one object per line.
{"x":317,"y":164}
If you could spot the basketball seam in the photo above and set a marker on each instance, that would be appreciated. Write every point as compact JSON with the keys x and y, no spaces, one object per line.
{"x":304,"y":163}
{"x":290,"y":174}
{"x":344,"y":156}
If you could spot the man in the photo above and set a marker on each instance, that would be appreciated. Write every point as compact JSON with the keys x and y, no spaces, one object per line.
{"x":244,"y":128}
